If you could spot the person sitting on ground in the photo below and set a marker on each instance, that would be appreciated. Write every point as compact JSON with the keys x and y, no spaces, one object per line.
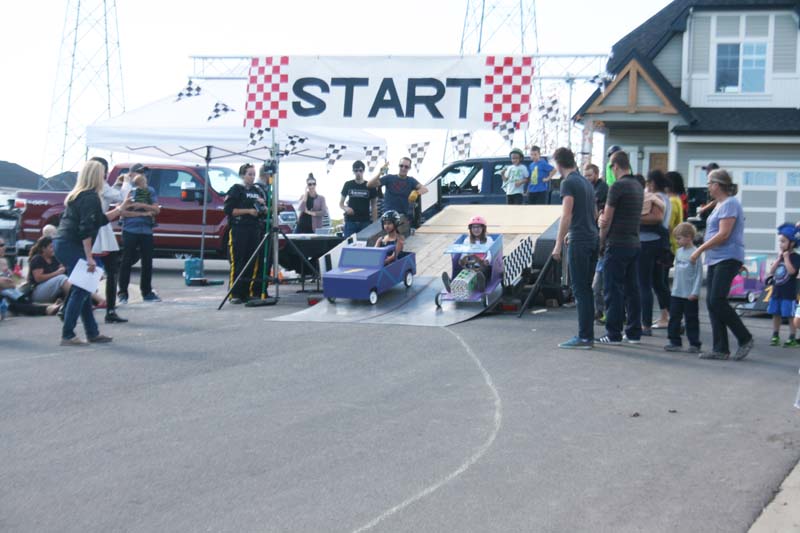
{"x":477,"y":262}
{"x":46,"y":274}
{"x":783,"y":302}
{"x":390,"y":220}
{"x":7,"y":282}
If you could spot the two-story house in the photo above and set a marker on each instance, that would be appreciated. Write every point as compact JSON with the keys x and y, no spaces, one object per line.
{"x":712,"y":81}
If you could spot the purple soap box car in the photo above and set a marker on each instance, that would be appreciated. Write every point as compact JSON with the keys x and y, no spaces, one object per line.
{"x":462,"y":246}
{"x":362,"y":274}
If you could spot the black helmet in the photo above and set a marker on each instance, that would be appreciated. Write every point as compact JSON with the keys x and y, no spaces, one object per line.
{"x":612,"y":149}
{"x":391,"y":216}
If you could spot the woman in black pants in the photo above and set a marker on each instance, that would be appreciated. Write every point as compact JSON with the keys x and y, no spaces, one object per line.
{"x":105,"y":246}
{"x":724,"y":249}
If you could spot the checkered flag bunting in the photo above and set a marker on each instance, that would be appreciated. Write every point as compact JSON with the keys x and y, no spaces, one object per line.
{"x":462,"y":144}
{"x":549,"y":109}
{"x":295,"y":143}
{"x":417,"y":153}
{"x":220,"y":108}
{"x":333,"y":153}
{"x":599,"y":79}
{"x":257,"y":135}
{"x":507,"y":82}
{"x":373,"y":154}
{"x":190,"y":90}
{"x":506,"y":130}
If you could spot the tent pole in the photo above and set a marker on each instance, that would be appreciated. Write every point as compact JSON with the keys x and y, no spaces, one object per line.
{"x":205,"y":208}
{"x":275,"y":221}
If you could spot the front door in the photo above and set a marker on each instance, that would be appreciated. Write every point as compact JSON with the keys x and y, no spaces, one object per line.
{"x":658,"y":161}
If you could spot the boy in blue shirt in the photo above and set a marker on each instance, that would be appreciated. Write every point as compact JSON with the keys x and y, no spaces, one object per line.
{"x":540,"y":174}
{"x":783,"y":302}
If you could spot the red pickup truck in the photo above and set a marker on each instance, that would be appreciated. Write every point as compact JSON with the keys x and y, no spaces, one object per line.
{"x":179,"y":222}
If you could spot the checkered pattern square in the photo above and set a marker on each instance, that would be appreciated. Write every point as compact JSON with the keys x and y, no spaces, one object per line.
{"x":220,"y":108}
{"x":267,"y":92}
{"x":333,"y":153}
{"x":517,"y":261}
{"x":373,"y":154}
{"x":462,"y":144}
{"x":417,"y":153}
{"x":507,"y":85}
{"x":550,"y":108}
{"x":190,"y":90}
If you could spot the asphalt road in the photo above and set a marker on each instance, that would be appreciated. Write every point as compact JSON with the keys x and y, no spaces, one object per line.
{"x":195,"y":419}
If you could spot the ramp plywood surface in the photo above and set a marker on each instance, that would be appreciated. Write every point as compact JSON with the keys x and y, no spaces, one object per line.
{"x":513,"y":219}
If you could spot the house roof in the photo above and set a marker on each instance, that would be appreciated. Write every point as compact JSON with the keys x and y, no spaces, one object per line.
{"x":739,"y":121}
{"x":651,"y":36}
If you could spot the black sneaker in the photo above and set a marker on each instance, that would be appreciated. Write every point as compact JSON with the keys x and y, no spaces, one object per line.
{"x":152,"y":297}
{"x":113,"y":318}
{"x":122,"y":298}
{"x":446,"y":281}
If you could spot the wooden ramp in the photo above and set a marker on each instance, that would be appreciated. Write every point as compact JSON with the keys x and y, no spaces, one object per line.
{"x":415,"y":306}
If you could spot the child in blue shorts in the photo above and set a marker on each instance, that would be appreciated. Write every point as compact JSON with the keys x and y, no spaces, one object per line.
{"x":783,"y":302}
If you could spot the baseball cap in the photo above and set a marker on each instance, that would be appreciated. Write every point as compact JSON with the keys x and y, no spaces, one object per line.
{"x":711,"y":166}
{"x":139,"y":168}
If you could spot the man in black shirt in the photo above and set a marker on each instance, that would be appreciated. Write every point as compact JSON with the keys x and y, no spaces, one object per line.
{"x":578,"y":215}
{"x":619,"y":233}
{"x":359,"y":203}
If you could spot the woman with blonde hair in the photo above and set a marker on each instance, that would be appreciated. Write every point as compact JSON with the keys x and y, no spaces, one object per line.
{"x":82,"y":218}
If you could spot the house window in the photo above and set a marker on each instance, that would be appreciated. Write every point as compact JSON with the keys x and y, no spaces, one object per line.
{"x":793,"y":179}
{"x":741,"y":67}
{"x":760,"y":178}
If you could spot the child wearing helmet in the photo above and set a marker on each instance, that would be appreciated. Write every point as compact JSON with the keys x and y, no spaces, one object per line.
{"x":390,"y":220}
{"x":479,"y":262}
{"x":515,"y":178}
{"x":783,"y":303}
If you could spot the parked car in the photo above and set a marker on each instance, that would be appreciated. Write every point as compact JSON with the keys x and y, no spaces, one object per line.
{"x":179,"y":225}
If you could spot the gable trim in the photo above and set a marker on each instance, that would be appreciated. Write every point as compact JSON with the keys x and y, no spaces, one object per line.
{"x":633,"y":71}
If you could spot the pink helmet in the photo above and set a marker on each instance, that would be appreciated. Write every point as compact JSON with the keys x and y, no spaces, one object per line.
{"x":477,"y":219}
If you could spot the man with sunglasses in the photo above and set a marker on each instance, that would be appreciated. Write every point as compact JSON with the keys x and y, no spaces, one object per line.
{"x":400,"y":193}
{"x":361,"y":207}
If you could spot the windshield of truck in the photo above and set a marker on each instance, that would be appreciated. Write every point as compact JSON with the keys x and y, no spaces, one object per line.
{"x":221,"y":178}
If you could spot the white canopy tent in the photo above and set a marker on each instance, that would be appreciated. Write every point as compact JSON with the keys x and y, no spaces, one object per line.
{"x":205,"y":122}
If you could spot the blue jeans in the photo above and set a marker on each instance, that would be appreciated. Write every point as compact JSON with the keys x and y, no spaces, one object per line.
{"x":720,"y":313}
{"x":621,"y":273}
{"x":79,"y":302}
{"x":354,"y":226}
{"x":581,"y":260}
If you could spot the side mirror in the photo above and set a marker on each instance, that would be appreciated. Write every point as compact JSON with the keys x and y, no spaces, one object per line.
{"x":190,"y":193}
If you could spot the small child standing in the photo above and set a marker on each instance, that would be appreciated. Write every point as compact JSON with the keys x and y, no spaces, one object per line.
{"x":515,"y":178}
{"x":783,"y":302}
{"x":685,"y":296}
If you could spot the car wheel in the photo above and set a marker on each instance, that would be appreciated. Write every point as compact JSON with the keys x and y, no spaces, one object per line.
{"x":408,"y":280}
{"x":485,"y":300}
{"x":751,"y":297}
{"x":331,"y":299}
{"x":373,"y":297}
{"x":438,"y":300}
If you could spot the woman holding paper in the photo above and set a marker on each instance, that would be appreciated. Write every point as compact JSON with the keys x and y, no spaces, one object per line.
{"x":82,"y":218}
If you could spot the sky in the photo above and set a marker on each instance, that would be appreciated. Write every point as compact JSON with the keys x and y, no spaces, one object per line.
{"x":157,"y":37}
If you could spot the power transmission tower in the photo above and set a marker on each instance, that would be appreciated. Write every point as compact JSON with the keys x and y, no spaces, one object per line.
{"x":88,"y":84}
{"x":509,"y":27}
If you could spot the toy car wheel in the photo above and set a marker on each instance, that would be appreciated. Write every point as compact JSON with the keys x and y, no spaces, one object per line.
{"x":751,"y":297}
{"x":438,"y":300}
{"x":485,"y":300}
{"x":373,"y":297}
{"x":331,"y":299}
{"x":408,"y":280}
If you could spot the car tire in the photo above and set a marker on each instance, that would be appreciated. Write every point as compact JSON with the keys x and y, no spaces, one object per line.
{"x":373,"y":297}
{"x":408,"y":279}
{"x":438,"y":300}
{"x":331,"y":299}
{"x":485,"y":300}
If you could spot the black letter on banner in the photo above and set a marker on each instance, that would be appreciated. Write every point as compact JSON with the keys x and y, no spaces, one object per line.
{"x":429,"y":101}
{"x":349,"y":84}
{"x":384,"y":102}
{"x":465,"y":84}
{"x":317,"y":104}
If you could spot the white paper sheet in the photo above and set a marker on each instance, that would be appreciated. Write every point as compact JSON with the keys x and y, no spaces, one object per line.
{"x":84,"y":279}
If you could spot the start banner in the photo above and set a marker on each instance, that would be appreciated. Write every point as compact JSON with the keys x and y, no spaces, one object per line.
{"x":446,"y":92}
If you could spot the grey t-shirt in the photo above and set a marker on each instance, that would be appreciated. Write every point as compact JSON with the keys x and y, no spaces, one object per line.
{"x":583,"y":228}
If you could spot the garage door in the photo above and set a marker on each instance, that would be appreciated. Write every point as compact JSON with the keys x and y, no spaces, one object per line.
{"x":770,"y":196}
